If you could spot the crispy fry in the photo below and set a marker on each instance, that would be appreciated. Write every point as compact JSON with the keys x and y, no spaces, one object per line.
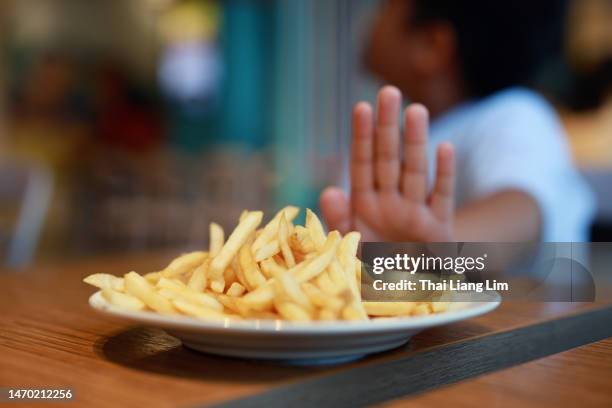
{"x":174,"y":289}
{"x":227,"y":301}
{"x":351,"y":313}
{"x":218,"y":284}
{"x":249,"y":267}
{"x":271,"y":228}
{"x":421,"y":309}
{"x":138,"y":287}
{"x":105,"y":281}
{"x":324,"y":283}
{"x":283,"y":235}
{"x":240,"y":276}
{"x":270,"y":268}
{"x":291,"y":311}
{"x":321,"y":299}
{"x":122,"y":300}
{"x":217,"y":236}
{"x":198,"y":279}
{"x":235,"y":290}
{"x":235,"y":241}
{"x":259,"y":299}
{"x":300,"y":240}
{"x":288,"y":286}
{"x":389,"y":308}
{"x":267,"y":251}
{"x":315,"y":228}
{"x":316,"y":265}
{"x":327,"y":314}
{"x":280,"y":271}
{"x":152,"y":277}
{"x":439,"y":307}
{"x":194,"y":310}
{"x":184,"y":263}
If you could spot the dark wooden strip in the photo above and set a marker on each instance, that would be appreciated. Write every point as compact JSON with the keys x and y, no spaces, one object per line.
{"x":437,"y":366}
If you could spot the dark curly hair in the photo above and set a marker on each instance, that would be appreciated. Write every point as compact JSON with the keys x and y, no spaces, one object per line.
{"x":500,"y":44}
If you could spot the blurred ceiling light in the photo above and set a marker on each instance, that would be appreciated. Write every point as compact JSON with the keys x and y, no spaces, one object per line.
{"x":190,"y":72}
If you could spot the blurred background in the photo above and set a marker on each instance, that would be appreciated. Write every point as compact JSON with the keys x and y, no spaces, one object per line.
{"x":128,"y":125}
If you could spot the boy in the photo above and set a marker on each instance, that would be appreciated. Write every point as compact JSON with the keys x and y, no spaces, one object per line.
{"x":502,"y":169}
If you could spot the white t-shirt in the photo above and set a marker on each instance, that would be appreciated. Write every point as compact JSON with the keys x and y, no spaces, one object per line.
{"x":514,"y":140}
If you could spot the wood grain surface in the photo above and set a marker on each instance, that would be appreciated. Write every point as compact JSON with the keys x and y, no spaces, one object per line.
{"x":49,"y":337}
{"x":580,"y":377}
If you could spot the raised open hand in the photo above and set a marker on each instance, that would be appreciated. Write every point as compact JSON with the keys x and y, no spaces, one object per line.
{"x":390,"y":199}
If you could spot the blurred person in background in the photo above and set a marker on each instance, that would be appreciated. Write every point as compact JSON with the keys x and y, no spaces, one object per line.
{"x":503,"y":171}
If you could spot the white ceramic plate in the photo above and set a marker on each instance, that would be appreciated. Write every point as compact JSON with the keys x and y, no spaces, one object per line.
{"x":299,"y":343}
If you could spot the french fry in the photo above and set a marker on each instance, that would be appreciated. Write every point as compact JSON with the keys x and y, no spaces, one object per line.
{"x":270,"y":268}
{"x":316,"y":265}
{"x":217,"y":236}
{"x":321,"y":299}
{"x":227,"y":301}
{"x":259,"y":299}
{"x":293,"y":312}
{"x":271,"y":228}
{"x":288,"y":286}
{"x":439,"y":307}
{"x":315,"y":228}
{"x":249,"y":267}
{"x":421,"y":309}
{"x":240,"y":276}
{"x":300,"y":240}
{"x":267,"y":251}
{"x":140,"y":288}
{"x":389,"y":308}
{"x":325,"y":284}
{"x":152,"y":277}
{"x":122,"y":300}
{"x":174,"y":289}
{"x":173,"y":284}
{"x":327,"y":314}
{"x":198,"y":279}
{"x":337,"y":276}
{"x":105,"y":281}
{"x":235,"y":241}
{"x":280,"y":271}
{"x":347,"y":250}
{"x":283,"y":235}
{"x":243,"y":215}
{"x":351,"y":313}
{"x":194,"y":310}
{"x":218,"y":284}
{"x":229,"y":276}
{"x":235,"y":290}
{"x":184,"y":263}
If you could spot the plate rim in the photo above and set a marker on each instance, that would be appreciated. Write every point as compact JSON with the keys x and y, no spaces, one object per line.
{"x":100,"y":305}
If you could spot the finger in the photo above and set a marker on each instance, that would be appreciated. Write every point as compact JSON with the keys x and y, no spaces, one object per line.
{"x":362,"y":152}
{"x":414,"y":168}
{"x":443,"y":194}
{"x":387,"y":162}
{"x":336,"y":209}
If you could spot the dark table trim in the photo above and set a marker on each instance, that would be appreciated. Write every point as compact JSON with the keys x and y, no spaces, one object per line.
{"x":437,"y":366}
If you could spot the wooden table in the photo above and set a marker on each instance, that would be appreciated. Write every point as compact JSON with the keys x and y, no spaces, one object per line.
{"x":523,"y":354}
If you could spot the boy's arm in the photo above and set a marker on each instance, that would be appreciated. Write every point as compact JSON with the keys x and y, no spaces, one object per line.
{"x":389,"y":198}
{"x":507,"y":216}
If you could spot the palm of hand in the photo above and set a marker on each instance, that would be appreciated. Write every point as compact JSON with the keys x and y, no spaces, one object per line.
{"x":389,"y":198}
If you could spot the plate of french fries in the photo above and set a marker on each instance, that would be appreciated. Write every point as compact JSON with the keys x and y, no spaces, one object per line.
{"x":273,"y":290}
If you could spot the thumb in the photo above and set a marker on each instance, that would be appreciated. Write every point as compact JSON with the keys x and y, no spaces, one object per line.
{"x":336,"y":209}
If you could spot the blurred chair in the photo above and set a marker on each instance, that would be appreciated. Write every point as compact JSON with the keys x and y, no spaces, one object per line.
{"x":25,"y":194}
